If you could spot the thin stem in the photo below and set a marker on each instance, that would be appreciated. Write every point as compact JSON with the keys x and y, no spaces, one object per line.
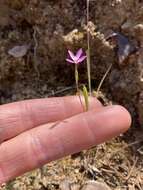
{"x":76,"y":77}
{"x":88,"y":51}
{"x":35,"y":51}
{"x":102,"y":80}
{"x":77,"y":83}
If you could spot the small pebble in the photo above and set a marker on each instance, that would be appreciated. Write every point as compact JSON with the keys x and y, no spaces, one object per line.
{"x":18,"y":51}
{"x":93,"y":185}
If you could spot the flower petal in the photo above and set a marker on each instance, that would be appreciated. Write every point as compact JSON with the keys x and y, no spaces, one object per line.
{"x":70,"y":61}
{"x":81,"y":59}
{"x":79,"y":53}
{"x":71,"y":55}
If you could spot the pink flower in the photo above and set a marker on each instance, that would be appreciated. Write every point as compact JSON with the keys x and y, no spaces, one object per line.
{"x":76,"y":59}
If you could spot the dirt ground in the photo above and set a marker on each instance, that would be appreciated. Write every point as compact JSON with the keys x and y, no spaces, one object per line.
{"x":39,"y":70}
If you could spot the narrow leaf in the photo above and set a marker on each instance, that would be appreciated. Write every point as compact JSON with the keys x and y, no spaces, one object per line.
{"x":85,"y":95}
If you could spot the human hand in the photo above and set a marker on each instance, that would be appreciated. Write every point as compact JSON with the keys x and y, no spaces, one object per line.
{"x":35,"y":132}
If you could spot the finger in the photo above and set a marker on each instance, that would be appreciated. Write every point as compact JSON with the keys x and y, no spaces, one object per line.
{"x":21,"y":116}
{"x":46,"y":143}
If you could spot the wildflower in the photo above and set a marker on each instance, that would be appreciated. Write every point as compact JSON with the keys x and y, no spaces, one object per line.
{"x":76,"y":59}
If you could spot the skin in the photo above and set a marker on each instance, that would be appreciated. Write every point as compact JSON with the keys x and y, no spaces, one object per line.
{"x":35,"y":132}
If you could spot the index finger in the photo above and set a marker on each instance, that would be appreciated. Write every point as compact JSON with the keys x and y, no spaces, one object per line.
{"x":47,"y":143}
{"x":18,"y":117}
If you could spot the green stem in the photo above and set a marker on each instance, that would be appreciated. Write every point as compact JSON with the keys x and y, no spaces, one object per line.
{"x":77,"y":83}
{"x":76,"y":77}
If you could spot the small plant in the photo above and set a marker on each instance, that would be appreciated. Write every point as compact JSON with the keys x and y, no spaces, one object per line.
{"x":77,"y":59}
